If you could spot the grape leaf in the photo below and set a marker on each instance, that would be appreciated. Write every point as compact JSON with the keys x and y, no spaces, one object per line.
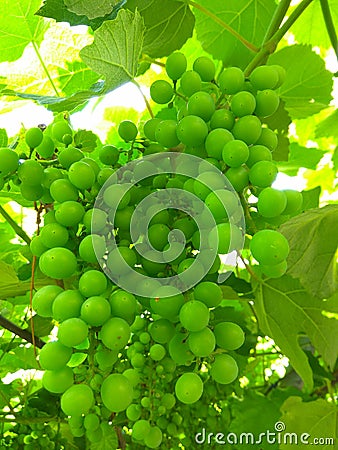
{"x":19,"y":27}
{"x":279,"y":122}
{"x":250,"y":18}
{"x":109,"y":439}
{"x":86,"y":140}
{"x":309,"y":28}
{"x":311,"y":198}
{"x":116,"y":49}
{"x":89,"y":8}
{"x":318,"y":419}
{"x":301,"y":157}
{"x":285,"y":310}
{"x":169,"y":23}
{"x":56,"y":9}
{"x":3,"y":137}
{"x":328,"y":127}
{"x":313,"y":248}
{"x":307,"y":87}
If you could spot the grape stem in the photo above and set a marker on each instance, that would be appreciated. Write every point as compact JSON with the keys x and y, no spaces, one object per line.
{"x":329,"y":25}
{"x":18,"y":230}
{"x":120,"y":437}
{"x":224,"y":25}
{"x":24,"y":334}
{"x":270,"y":46}
{"x":144,"y":98}
{"x":277,"y":19}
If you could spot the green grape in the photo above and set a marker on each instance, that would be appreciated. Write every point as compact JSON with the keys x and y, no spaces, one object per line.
{"x":72,"y":332}
{"x":222,"y":118}
{"x":192,"y":131}
{"x":263,"y":173}
{"x":209,"y":293}
{"x":294,"y":201}
{"x":165,"y":133}
{"x":176,"y":65}
{"x":92,"y":248}
{"x":229,"y":238}
{"x":67,"y":304}
{"x":30,"y":172}
{"x":215,"y":142}
{"x":238,"y":177}
{"x":229,"y":335}
{"x":202,"y":343}
{"x":161,"y":330}
{"x":281,"y":74}
{"x":243,"y":103}
{"x":201,"y":104}
{"x":154,"y":437}
{"x":109,"y":155}
{"x":275,"y":271}
{"x":58,"y":263}
{"x":206,"y":182}
{"x":91,"y":422}
{"x":247,"y":129}
{"x":168,"y":400}
{"x":116,"y":392}
{"x":115,"y":333}
{"x":9,"y":161}
{"x":50,"y":174}
{"x":69,"y":155}
{"x":224,"y":369}
{"x":268,"y":138}
{"x":49,"y":217}
{"x":258,"y":153}
{"x":133,"y":412}
{"x":222,"y":204}
{"x":140,"y":429}
{"x":187,"y":225}
{"x":37,"y":247}
{"x":190,"y":82}
{"x":58,"y":381}
{"x":235,"y":153}
{"x":54,"y":235}
{"x":264,"y":77}
{"x":144,"y":337}
{"x":81,"y":175}
{"x":189,"y":388}
{"x":95,"y":220}
{"x":267,"y":103}
{"x":67,"y":139}
{"x":157,"y":352}
{"x":31,"y":193}
{"x":269,"y":247}
{"x":77,"y":400}
{"x":54,"y":356}
{"x":106,"y":359}
{"x":104,"y":175}
{"x":161,"y":92}
{"x":69,"y":213}
{"x":167,"y":302}
{"x":114,"y":193}
{"x":92,"y":282}
{"x":231,"y":80}
{"x":46,"y":148}
{"x":205,"y":67}
{"x":127,"y":130}
{"x":271,"y":202}
{"x":43,"y":300}
{"x":158,"y":235}
{"x":95,"y":311}
{"x":60,"y":129}
{"x":123,"y":304}
{"x":149,"y":128}
{"x":63,"y":190}
{"x":138,"y":361}
{"x":194,"y":315}
{"x":33,"y":137}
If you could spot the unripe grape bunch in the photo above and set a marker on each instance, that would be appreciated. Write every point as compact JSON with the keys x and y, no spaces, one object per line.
{"x":147,"y":355}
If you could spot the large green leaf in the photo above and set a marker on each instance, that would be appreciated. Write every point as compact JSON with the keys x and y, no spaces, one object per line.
{"x":89,"y":8}
{"x":313,"y":241}
{"x":19,"y":27}
{"x":308,"y":85}
{"x":116,"y":49}
{"x":250,"y":18}
{"x":169,"y":23}
{"x":285,"y":311}
{"x":310,"y":420}
{"x":310,"y":26}
{"x":56,"y":9}
{"x":301,"y":157}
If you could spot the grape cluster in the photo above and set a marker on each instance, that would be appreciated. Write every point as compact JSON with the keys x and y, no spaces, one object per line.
{"x":147,"y":358}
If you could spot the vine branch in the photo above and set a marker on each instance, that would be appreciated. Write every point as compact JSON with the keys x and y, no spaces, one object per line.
{"x":324,"y":4}
{"x":18,"y":230}
{"x":277,"y":19}
{"x":24,"y":334}
{"x":144,"y":98}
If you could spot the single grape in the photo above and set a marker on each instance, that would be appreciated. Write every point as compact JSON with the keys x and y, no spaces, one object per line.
{"x":77,"y":400}
{"x":92,"y":282}
{"x":264,"y":77}
{"x":201,"y":104}
{"x":140,"y":429}
{"x":229,"y":335}
{"x":268,"y":138}
{"x":37,"y":247}
{"x":205,"y":67}
{"x":95,"y":311}
{"x":43,"y":300}
{"x":61,"y":128}
{"x":222,"y":118}
{"x":176,"y":65}
{"x":161,"y":92}
{"x":269,"y":247}
{"x":229,"y":236}
{"x":54,"y":235}
{"x":192,"y":130}
{"x":263,"y":173}
{"x":149,"y":128}
{"x":247,"y":129}
{"x":202,"y":343}
{"x":54,"y":356}
{"x":215,"y":142}
{"x":123,"y":304}
{"x":267,"y":103}
{"x":157,"y":352}
{"x":153,"y":438}
{"x":189,"y":388}
{"x":58,"y":263}
{"x":167,"y":302}
{"x":258,"y":153}
{"x":69,"y":155}
{"x":109,"y":155}
{"x":91,"y":422}
{"x":165,"y":133}
{"x":209,"y":293}
{"x":243,"y":103}
{"x":115,"y":333}
{"x":46,"y":148}
{"x":238,"y":177}
{"x":9,"y":161}
{"x":31,"y":193}
{"x":72,"y":332}
{"x":224,"y":369}
{"x":50,"y":174}
{"x":231,"y":80}
{"x":127,"y":130}
{"x":63,"y":190}
{"x":116,"y":392}
{"x":92,"y":248}
{"x":281,"y":74}
{"x":194,"y":315}
{"x":33,"y":137}
{"x":190,"y":82}
{"x":235,"y":153}
{"x":271,"y":202}
{"x":69,"y":213}
{"x":58,"y":381}
{"x":294,"y":201}
{"x":67,"y":304}
{"x":30,"y":172}
{"x":81,"y":175}
{"x":161,"y":330}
